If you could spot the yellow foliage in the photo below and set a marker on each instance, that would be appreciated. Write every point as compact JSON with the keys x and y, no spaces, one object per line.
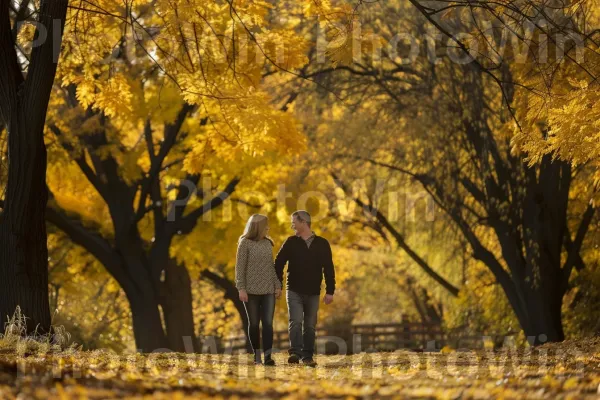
{"x":558,"y":101}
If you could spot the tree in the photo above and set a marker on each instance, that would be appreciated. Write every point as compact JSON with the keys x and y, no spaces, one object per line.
{"x":23,"y":104}
{"x":135,"y":267}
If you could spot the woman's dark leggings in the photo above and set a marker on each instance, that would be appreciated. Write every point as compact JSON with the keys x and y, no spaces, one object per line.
{"x":260,"y":308}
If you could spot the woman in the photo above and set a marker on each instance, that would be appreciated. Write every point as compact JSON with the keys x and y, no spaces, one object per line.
{"x":257,"y":283}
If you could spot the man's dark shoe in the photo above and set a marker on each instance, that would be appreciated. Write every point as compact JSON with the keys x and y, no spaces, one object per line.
{"x":309,"y":362}
{"x":293,"y":359}
{"x":269,"y":361}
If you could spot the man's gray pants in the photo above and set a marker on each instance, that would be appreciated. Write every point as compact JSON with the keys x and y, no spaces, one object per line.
{"x":302,"y":311}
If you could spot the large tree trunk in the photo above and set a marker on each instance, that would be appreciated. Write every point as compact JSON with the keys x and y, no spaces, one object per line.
{"x":23,"y":106}
{"x":545,"y":316}
{"x":537,"y":273}
{"x":538,"y":308}
{"x":23,"y":251}
{"x":177,"y":308}
{"x":24,"y":274}
{"x":143,"y":288}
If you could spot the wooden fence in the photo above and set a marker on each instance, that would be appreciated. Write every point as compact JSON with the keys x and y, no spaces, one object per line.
{"x":392,"y":336}
{"x":376,"y":337}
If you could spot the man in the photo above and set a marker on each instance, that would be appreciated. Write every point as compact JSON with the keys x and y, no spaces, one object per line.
{"x":309,"y":258}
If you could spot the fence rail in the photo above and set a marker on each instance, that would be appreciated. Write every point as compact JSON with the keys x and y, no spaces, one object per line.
{"x":375,"y":337}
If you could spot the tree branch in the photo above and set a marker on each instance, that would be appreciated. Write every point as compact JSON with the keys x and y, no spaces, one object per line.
{"x":187,"y":223}
{"x":574,"y":247}
{"x":94,"y":243}
{"x":79,"y":160}
{"x":171,"y":132}
{"x":401,"y":241}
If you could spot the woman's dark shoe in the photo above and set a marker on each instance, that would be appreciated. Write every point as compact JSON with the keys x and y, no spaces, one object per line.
{"x":269,"y":361}
{"x":293,"y":359}
{"x":257,"y":359}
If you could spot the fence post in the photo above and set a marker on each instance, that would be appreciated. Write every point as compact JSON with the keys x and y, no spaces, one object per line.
{"x":374,"y":338}
{"x":406,"y":332}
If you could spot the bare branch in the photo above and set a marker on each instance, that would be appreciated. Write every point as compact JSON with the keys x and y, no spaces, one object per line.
{"x":401,"y":241}
{"x":187,"y":223}
{"x":574,"y":247}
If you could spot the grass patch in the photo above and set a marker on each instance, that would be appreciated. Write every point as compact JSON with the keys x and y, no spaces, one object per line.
{"x":16,"y":340}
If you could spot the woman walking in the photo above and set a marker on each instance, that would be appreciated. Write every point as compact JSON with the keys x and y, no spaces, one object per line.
{"x":258,"y":284}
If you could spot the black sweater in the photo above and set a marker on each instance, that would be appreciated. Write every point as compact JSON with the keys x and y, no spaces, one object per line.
{"x":306,"y":265}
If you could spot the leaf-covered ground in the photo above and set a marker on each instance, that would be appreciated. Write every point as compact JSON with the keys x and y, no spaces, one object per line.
{"x":566,"y":371}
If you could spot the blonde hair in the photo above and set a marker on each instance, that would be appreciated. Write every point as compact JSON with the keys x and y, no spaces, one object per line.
{"x":256,"y":228}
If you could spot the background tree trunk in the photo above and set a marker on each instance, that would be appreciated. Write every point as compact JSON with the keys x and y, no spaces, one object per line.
{"x":147,"y":323}
{"x":177,"y":307}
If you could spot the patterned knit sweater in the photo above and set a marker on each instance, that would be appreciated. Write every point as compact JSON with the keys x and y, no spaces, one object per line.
{"x":254,"y":267}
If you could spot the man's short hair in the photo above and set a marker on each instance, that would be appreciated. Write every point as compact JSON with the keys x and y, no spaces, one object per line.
{"x":302,"y":215}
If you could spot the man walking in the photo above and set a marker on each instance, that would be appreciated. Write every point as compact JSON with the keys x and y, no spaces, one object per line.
{"x":309,"y":258}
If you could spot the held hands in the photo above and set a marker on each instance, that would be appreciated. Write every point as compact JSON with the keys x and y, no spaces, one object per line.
{"x":244,"y":295}
{"x":328,"y":299}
